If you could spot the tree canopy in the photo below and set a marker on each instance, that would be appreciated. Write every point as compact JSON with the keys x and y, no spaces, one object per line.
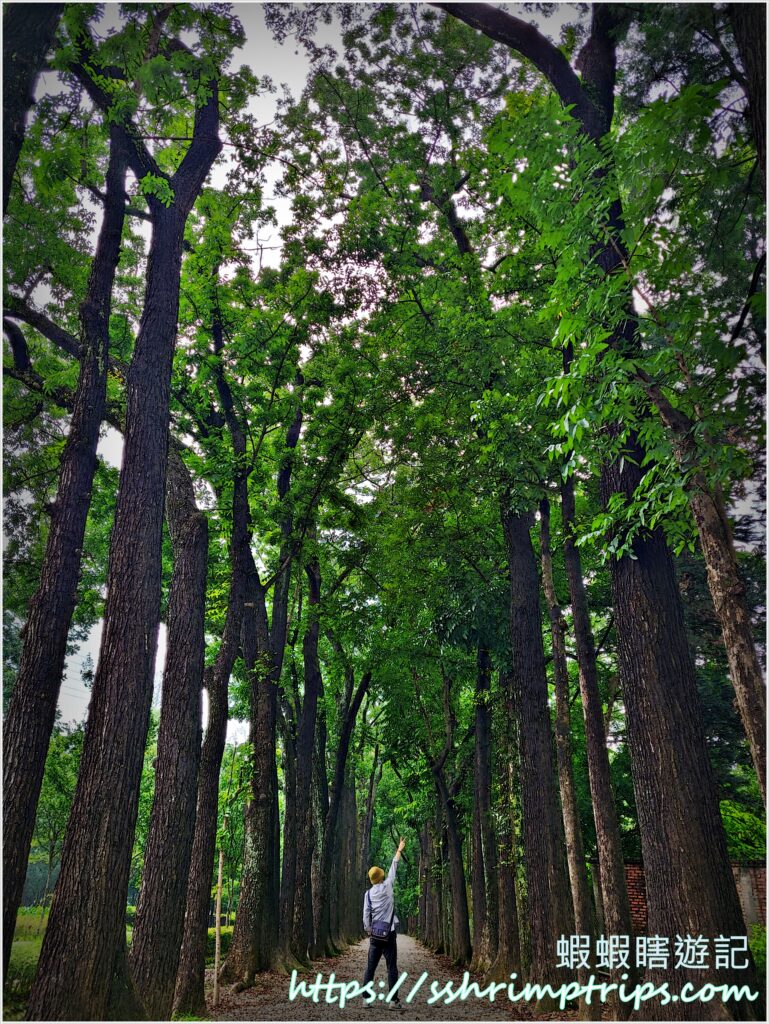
{"x":422,"y":404}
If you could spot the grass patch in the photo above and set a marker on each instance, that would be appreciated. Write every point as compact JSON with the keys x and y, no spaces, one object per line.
{"x":30,"y":923}
{"x":25,"y":952}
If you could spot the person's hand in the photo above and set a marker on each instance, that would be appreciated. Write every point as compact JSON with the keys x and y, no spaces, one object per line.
{"x":401,"y":845}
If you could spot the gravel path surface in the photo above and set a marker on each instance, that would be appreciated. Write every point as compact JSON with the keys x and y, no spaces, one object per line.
{"x":269,"y":999}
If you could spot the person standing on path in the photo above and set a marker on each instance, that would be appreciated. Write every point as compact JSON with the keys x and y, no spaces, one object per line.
{"x":378,"y":907}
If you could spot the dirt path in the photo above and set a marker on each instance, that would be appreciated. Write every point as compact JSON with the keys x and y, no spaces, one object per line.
{"x":269,"y":999}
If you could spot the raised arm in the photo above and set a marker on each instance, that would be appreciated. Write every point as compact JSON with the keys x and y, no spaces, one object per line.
{"x":396,"y":859}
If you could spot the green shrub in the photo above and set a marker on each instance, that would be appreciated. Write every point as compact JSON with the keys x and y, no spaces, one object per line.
{"x":758,"y":947}
{"x":211,"y":943}
{"x":130,"y":915}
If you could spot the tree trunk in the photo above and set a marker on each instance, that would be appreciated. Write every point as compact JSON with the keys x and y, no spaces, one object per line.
{"x":255,"y":936}
{"x":477,"y":883}
{"x":436,"y":881}
{"x":301,"y":933}
{"x":28,"y":34}
{"x":485,"y":945}
{"x":549,"y":901}
{"x":368,"y":820}
{"x":461,"y":947}
{"x":89,"y":922}
{"x":288,"y":869}
{"x":749,"y":25}
{"x":575,"y":850}
{"x":689,"y":881}
{"x":319,"y":796}
{"x":321,"y":909}
{"x":447,"y":941}
{"x":159,"y":926}
{"x":189,"y":996}
{"x":86,"y":926}
{"x":729,"y":601}
{"x":32,"y":709}
{"x":350,"y":888}
{"x":424,"y":869}
{"x":611,"y":868}
{"x":726,"y":587}
{"x":508,"y":958}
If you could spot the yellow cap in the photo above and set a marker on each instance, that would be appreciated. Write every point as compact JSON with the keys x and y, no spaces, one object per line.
{"x":375,"y":875}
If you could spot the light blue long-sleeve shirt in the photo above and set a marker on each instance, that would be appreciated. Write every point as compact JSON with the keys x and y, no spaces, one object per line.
{"x":379,"y":901}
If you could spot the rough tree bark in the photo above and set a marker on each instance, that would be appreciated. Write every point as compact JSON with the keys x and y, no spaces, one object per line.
{"x":32,"y":708}
{"x":508,"y":959}
{"x":611,"y":868}
{"x":459,"y":929}
{"x":549,"y":899}
{"x":321,"y":915}
{"x":575,"y":849}
{"x":159,"y":926}
{"x":477,"y":884}
{"x":486,"y":932}
{"x":83,"y":941}
{"x":189,"y":996}
{"x":351,"y":888}
{"x":690,"y":886}
{"x":28,"y":33}
{"x":254,"y":940}
{"x":364,"y":848}
{"x":301,"y":932}
{"x":255,"y":936}
{"x":436,"y":882}
{"x":724,"y":582}
{"x":288,"y":715}
{"x":456,"y":927}
{"x":749,"y":25}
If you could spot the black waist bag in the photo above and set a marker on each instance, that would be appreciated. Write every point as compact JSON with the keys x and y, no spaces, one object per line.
{"x":380,"y":930}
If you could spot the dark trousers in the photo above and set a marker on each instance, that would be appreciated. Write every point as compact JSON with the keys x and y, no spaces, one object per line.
{"x":390,"y":950}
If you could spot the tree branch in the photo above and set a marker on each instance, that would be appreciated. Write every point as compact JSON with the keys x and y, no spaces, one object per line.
{"x":21,"y":310}
{"x":530,"y":43}
{"x":754,"y":281}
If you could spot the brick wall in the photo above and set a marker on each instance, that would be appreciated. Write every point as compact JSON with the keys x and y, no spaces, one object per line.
{"x":636,"y":890}
{"x":749,"y":877}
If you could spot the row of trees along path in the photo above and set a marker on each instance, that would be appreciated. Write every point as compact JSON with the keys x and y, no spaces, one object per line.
{"x":442,"y":497}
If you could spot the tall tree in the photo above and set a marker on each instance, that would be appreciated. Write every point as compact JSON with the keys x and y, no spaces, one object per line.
{"x":611,"y":868}
{"x":189,"y":996}
{"x":353,"y":698}
{"x":302,"y":921}
{"x":254,"y":942}
{"x":657,"y":670}
{"x":85,"y":930}
{"x":549,"y":902}
{"x":159,"y":922}
{"x":485,"y":894}
{"x":575,"y":847}
{"x":32,"y":707}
